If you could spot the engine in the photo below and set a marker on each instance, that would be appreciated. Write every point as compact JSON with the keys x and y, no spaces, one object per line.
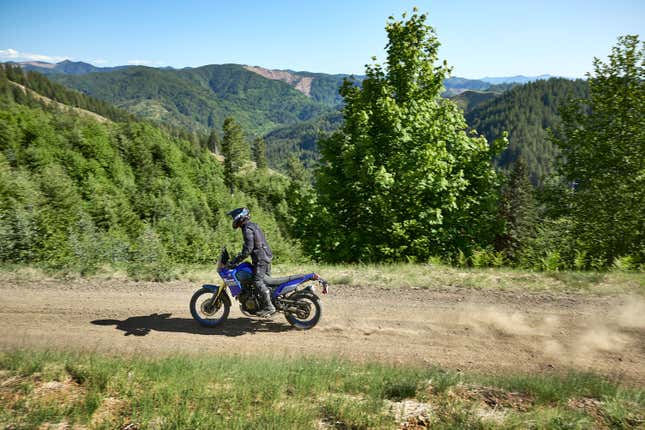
{"x":248,"y":301}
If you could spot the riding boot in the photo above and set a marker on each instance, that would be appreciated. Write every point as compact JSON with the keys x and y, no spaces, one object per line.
{"x":269,"y":309}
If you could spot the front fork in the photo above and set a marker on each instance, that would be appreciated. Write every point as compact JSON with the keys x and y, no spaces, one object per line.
{"x":213,"y":300}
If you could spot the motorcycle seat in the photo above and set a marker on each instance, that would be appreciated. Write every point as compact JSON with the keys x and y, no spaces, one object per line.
{"x":274,"y":282}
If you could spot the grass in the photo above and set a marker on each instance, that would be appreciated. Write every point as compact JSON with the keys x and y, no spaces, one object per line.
{"x":439,"y":276}
{"x":93,"y":391}
{"x":399,"y":275}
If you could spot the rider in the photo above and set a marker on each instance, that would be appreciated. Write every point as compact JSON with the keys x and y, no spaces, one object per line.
{"x":255,"y":245}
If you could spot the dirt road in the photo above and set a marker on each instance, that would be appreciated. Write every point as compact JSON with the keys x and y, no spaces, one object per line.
{"x":457,"y":328}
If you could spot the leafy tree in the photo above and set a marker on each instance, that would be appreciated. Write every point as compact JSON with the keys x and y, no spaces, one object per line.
{"x":518,"y":211}
{"x":603,"y":155}
{"x":403,"y":179}
{"x":260,"y":153}
{"x":234,"y":150}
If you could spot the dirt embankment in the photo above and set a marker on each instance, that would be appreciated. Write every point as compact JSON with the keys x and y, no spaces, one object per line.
{"x":300,"y":83}
{"x":457,"y":328}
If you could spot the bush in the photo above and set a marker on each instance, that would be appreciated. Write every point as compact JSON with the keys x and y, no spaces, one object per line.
{"x":479,"y":258}
{"x":627,"y":263}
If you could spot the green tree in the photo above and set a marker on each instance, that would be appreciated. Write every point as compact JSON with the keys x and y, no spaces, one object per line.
{"x":234,"y":150}
{"x":260,"y":153}
{"x":603,"y":155}
{"x":296,"y":171}
{"x":213,"y":142}
{"x":303,"y":221}
{"x":403,"y":179}
{"x":518,"y":211}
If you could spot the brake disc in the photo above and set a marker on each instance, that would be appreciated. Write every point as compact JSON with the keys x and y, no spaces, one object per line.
{"x":208,"y":307}
{"x":303,"y":312}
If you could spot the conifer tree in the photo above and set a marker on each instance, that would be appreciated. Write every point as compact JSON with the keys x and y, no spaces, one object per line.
{"x":296,"y":171}
{"x":518,"y":211}
{"x":260,"y":153}
{"x":234,"y":150}
{"x":603,"y":152}
{"x":213,"y":142}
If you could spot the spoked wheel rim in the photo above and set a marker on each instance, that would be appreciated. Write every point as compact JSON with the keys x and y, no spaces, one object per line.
{"x":207,"y":310}
{"x":306,"y":312}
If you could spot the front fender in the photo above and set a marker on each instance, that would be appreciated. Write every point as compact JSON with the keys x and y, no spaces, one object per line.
{"x":211,"y":287}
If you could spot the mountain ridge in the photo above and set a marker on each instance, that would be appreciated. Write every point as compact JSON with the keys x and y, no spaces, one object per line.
{"x":454,"y":85}
{"x":517,"y":79}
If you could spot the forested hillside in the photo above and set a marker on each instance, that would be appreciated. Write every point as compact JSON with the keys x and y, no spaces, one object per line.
{"x":43,"y":86}
{"x":293,"y":109}
{"x":301,"y":139}
{"x":526,"y":112}
{"x":76,"y":193}
{"x":401,"y":176}
{"x":201,"y":98}
{"x":65,"y":67}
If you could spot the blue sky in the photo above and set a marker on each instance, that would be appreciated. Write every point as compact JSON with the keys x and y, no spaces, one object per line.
{"x":492,"y":38}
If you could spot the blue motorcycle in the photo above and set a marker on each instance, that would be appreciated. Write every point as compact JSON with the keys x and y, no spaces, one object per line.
{"x":210,"y":305}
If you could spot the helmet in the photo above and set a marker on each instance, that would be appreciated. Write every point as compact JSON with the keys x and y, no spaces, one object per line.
{"x":239,"y":215}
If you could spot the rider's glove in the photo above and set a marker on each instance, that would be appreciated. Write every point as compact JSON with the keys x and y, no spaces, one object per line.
{"x":232,"y":263}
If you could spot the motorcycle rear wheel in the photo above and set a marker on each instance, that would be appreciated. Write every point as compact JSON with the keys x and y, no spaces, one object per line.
{"x":305,"y":320}
{"x":206,"y":313}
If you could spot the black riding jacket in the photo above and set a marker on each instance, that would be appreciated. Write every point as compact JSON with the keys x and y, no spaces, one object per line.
{"x":255,"y":244}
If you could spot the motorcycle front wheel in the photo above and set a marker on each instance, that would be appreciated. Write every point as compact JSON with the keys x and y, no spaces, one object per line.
{"x":207,"y":311}
{"x":307,"y":312}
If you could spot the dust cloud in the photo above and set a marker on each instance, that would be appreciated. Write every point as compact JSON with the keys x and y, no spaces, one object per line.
{"x":610,"y":331}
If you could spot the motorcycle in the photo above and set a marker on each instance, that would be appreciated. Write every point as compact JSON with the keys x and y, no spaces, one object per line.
{"x":210,"y":305}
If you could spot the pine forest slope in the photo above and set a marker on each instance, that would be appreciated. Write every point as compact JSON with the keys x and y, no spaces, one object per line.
{"x":76,"y":193}
{"x":200,"y":98}
{"x":292,"y":109}
{"x":527,"y":112}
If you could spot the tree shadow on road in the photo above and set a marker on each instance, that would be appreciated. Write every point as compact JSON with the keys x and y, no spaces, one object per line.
{"x":143,"y":325}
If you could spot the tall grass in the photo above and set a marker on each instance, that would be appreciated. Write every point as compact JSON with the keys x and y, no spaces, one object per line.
{"x":233,"y":392}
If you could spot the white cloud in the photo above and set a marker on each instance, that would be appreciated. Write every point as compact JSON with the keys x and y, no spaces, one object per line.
{"x":12,"y":54}
{"x":99,"y":61}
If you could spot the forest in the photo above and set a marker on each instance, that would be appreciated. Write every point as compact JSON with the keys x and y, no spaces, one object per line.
{"x":547,"y":176}
{"x":76,"y":193}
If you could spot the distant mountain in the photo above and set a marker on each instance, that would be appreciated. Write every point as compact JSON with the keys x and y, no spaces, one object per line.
{"x":65,"y":67}
{"x":455,"y":85}
{"x":291,"y":109}
{"x":200,"y":98}
{"x":321,"y":87}
{"x":519,"y":79}
{"x":39,"y":87}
